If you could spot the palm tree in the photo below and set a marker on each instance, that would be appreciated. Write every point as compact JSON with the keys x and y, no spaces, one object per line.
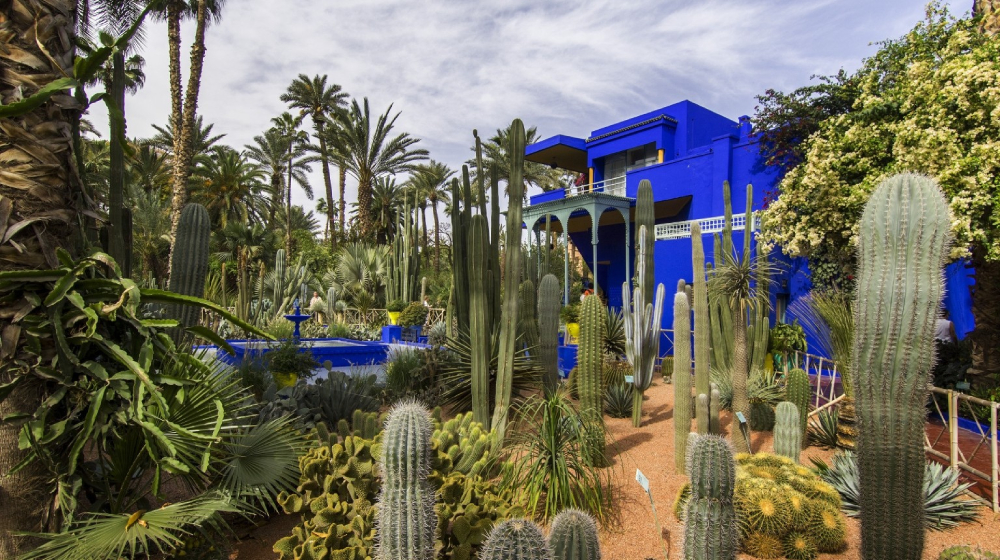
{"x":231,"y":188}
{"x":149,"y":169}
{"x":40,"y":190}
{"x":202,"y":139}
{"x":387,"y":200}
{"x":432,"y":183}
{"x":298,"y":144}
{"x":150,"y":227}
{"x":313,"y":97}
{"x":255,"y":242}
{"x":371,"y":154}
{"x":495,"y":154}
{"x":275,"y":154}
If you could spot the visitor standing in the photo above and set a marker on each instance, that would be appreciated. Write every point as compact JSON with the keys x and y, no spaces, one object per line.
{"x":944,"y":329}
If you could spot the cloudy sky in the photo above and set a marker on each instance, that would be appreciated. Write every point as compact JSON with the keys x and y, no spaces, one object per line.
{"x":567,"y":67}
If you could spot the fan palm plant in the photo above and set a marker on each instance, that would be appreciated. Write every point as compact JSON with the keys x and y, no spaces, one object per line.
{"x":359,"y":272}
{"x":256,"y":242}
{"x":313,"y":97}
{"x":372,"y":153}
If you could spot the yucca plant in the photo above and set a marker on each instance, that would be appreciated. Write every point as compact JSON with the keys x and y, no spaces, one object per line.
{"x":544,"y":461}
{"x":618,"y":400}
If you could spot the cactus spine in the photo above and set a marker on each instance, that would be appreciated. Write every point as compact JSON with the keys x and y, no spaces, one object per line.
{"x":787,"y":435}
{"x":797,"y":392}
{"x":645,"y":217}
{"x":189,"y":262}
{"x":479,"y":327}
{"x":407,"y":524}
{"x":574,"y":536}
{"x":589,"y":377}
{"x":701,"y":326}
{"x":682,"y":379}
{"x":710,"y":531}
{"x":508,"y":317}
{"x":516,"y":539}
{"x":903,"y":244}
{"x":703,"y":414}
{"x":642,"y":326}
{"x":549,"y":305}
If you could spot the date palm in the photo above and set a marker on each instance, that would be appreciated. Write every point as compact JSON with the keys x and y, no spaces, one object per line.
{"x":202,"y":139}
{"x":431,"y":181}
{"x":387,"y":201}
{"x":313,"y":97}
{"x":298,"y":144}
{"x":40,"y":190}
{"x":275,"y":153}
{"x":149,"y":169}
{"x":231,"y":188}
{"x":372,"y":153}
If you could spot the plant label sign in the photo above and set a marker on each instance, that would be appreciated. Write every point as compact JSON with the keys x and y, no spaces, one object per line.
{"x":629,"y":378}
{"x":741,"y":418}
{"x":642,"y":480}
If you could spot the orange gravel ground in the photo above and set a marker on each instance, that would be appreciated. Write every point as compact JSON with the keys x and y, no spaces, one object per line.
{"x":633,"y":535}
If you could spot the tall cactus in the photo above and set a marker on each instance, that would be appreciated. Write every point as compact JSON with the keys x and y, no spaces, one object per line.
{"x":787,"y":435}
{"x":710,"y":527}
{"x":645,"y":217}
{"x":702,"y":329}
{"x":549,"y":305}
{"x":903,"y":244}
{"x":642,"y":327}
{"x":528,"y":320}
{"x":704,"y":414}
{"x":190,"y":262}
{"x":459,"y":264}
{"x":480,"y":331}
{"x":589,"y":376}
{"x":715,"y":409}
{"x":279,"y":279}
{"x":407,"y":524}
{"x":516,"y":539}
{"x":574,"y":536}
{"x":508,"y":316}
{"x":403,"y":268}
{"x":682,"y":379}
{"x":798,"y":392}
{"x":331,"y":305}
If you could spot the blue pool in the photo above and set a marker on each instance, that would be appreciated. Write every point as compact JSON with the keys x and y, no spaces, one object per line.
{"x":341,"y":353}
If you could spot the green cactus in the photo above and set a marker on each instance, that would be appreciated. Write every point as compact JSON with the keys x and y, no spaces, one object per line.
{"x":682,"y":380}
{"x":512,"y":253}
{"x":516,"y":539}
{"x":763,"y":546}
{"x":765,"y":510}
{"x":189,"y":263}
{"x":479,"y":326}
{"x":827,"y":528}
{"x":589,"y":378}
{"x":528,"y":321}
{"x":645,"y":216}
{"x":800,"y":546}
{"x":787,"y":435}
{"x":574,"y":536}
{"x":715,"y":409}
{"x":798,"y":392}
{"x":703,"y":414}
{"x":406,"y":520}
{"x":642,"y":323}
{"x":331,"y":305}
{"x":279,"y":278}
{"x":761,"y":417}
{"x":702,"y":329}
{"x":902,"y":248}
{"x":966,"y":552}
{"x":549,"y":307}
{"x":459,"y":269}
{"x":710,"y":528}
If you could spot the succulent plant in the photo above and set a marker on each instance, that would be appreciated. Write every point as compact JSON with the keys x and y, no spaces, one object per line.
{"x":574,"y":536}
{"x":189,"y":264}
{"x":787,"y":435}
{"x":643,"y":320}
{"x":966,"y":552}
{"x":590,"y":376}
{"x":710,"y":526}
{"x":548,"y":329}
{"x":702,"y":329}
{"x":516,"y":539}
{"x":798,"y":392}
{"x":682,"y":379}
{"x":800,"y":546}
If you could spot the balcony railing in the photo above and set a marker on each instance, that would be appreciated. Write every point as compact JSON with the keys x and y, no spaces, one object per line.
{"x":614,"y":187}
{"x":678,"y":230}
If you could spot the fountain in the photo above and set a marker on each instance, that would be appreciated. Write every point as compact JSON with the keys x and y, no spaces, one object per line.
{"x":298,"y":318}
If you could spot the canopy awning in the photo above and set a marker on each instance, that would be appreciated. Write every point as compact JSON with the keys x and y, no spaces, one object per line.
{"x":564,"y":152}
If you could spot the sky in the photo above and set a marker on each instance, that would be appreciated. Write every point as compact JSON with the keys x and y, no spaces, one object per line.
{"x":565,"y":66}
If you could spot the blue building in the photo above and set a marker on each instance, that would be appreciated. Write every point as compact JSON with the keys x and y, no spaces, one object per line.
{"x":686,"y":152}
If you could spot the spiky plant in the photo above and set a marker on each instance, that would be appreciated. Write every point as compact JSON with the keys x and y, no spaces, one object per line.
{"x":574,"y":536}
{"x":516,"y":539}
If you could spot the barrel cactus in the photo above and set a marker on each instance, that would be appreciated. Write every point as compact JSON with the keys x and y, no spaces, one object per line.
{"x":903,"y":245}
{"x":787,"y":436}
{"x":516,"y":539}
{"x":710,"y":529}
{"x":407,"y":523}
{"x":574,"y":536}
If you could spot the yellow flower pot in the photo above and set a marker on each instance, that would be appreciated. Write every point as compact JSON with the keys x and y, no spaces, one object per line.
{"x":394,"y":317}
{"x":574,"y":331}
{"x":283,"y":380}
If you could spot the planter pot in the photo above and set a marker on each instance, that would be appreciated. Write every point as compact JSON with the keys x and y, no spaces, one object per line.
{"x":574,"y":332}
{"x":394,"y":317}
{"x":283,"y":380}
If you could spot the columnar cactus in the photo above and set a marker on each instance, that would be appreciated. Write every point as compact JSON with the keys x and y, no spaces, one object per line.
{"x":642,"y":327}
{"x":645,"y":216}
{"x":798,"y":392}
{"x":512,"y":253}
{"x":549,"y":305}
{"x":787,"y":435}
{"x":278,"y":293}
{"x":589,"y":377}
{"x":407,"y":524}
{"x":704,"y":416}
{"x":903,"y":244}
{"x":710,"y":528}
{"x":682,"y":379}
{"x":528,"y":315}
{"x":516,"y":539}
{"x":702,"y":329}
{"x":331,"y":305}
{"x":479,"y":327}
{"x":190,"y":262}
{"x":574,"y":536}
{"x":715,"y":409}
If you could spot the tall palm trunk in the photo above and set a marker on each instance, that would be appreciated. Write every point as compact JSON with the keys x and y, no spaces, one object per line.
{"x":343,"y":201}
{"x":288,"y":207}
{"x":278,"y":198}
{"x":183,"y":137}
{"x":364,"y":217}
{"x":423,"y":213}
{"x":39,"y":183}
{"x":437,"y":236}
{"x":325,"y":161}
{"x":116,"y":179}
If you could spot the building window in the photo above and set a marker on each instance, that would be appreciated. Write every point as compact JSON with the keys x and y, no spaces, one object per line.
{"x":641,"y":156}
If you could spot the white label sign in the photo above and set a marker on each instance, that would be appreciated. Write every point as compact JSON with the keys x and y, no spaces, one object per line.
{"x":629,"y":378}
{"x":642,"y":480}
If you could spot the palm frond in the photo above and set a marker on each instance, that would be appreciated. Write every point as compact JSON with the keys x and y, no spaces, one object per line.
{"x":259,"y":462}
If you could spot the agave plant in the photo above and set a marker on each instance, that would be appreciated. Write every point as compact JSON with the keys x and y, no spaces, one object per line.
{"x":762,"y":388}
{"x":456,"y":382}
{"x":945,"y":507}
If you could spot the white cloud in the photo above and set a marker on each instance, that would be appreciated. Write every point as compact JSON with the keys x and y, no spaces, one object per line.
{"x":565,"y":66}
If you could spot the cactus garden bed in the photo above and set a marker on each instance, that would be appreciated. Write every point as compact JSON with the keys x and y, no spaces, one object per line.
{"x":633,"y":535}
